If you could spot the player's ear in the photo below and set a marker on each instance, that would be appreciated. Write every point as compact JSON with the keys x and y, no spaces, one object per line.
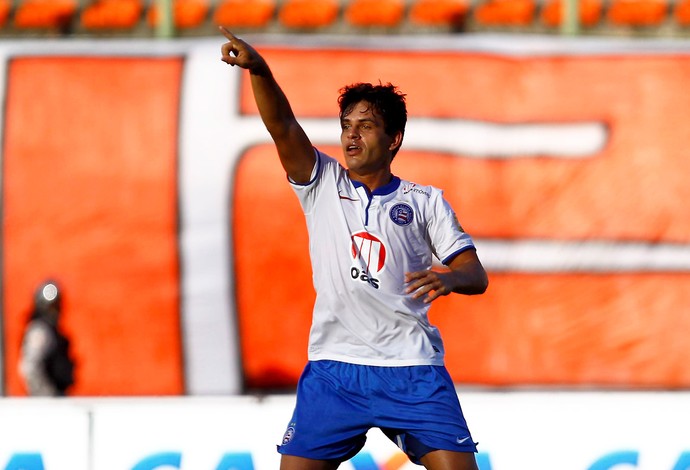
{"x":396,"y":142}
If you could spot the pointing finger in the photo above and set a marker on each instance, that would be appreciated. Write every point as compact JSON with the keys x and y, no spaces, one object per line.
{"x":226,"y":33}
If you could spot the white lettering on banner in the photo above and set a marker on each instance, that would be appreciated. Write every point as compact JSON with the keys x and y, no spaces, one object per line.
{"x":211,"y":138}
{"x":493,"y":140}
{"x":592,"y":256}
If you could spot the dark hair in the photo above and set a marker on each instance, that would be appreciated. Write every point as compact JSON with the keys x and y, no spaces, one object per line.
{"x":386,"y":100}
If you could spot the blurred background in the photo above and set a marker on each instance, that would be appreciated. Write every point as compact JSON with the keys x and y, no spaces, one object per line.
{"x":137,"y":175}
{"x":169,"y":18}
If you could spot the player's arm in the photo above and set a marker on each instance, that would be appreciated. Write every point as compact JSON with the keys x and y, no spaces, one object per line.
{"x":465,"y":275}
{"x":294,"y":148}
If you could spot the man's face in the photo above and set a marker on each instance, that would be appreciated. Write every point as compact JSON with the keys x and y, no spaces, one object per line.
{"x":366,"y":146}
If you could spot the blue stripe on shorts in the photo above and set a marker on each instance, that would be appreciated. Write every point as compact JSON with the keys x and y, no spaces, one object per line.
{"x":337,"y":403}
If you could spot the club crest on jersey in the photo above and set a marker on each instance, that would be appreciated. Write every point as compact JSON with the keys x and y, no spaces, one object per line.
{"x":370,"y":255}
{"x":401,"y":214}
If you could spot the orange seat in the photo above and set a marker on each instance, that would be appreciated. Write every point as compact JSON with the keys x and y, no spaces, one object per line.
{"x":5,"y":7}
{"x":589,"y":12}
{"x":186,"y":13}
{"x":51,"y":14}
{"x":244,"y":13}
{"x":112,"y":14}
{"x":388,"y":13}
{"x":682,"y":12}
{"x":506,"y":13}
{"x":637,"y":12}
{"x":439,"y":12}
{"x":308,"y":14}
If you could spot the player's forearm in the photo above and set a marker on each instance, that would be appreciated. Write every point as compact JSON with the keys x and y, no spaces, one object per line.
{"x":471,"y":280}
{"x":274,"y":107}
{"x":294,"y":148}
{"x":467,"y":275}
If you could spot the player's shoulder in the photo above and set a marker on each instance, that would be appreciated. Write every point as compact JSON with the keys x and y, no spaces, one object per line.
{"x":324,"y":158}
{"x":328,"y":164}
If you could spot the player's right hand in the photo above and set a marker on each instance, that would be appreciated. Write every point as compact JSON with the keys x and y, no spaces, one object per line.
{"x":237,"y":52}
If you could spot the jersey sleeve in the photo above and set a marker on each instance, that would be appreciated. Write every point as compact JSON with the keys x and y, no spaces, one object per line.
{"x":308,"y":192}
{"x":448,"y":239}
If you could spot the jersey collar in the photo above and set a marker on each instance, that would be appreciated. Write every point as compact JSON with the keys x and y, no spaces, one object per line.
{"x":383,"y":190}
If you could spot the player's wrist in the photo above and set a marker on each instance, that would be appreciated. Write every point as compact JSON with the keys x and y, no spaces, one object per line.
{"x":260,"y":69}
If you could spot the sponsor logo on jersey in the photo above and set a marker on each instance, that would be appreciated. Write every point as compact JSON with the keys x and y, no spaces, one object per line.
{"x":370,"y":255}
{"x":401,"y":214}
{"x":412,"y":188}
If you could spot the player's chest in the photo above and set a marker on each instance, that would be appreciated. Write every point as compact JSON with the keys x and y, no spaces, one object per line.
{"x":381,"y":213}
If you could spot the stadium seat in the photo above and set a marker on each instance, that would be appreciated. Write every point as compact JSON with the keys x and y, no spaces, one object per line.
{"x":386,"y":13}
{"x":186,"y":13}
{"x":112,"y":14}
{"x":244,"y":13}
{"x":505,"y":13}
{"x":637,"y":12}
{"x":439,"y":12}
{"x":308,"y":14}
{"x":681,"y":13}
{"x":5,"y":7}
{"x":45,"y":14}
{"x":589,"y":12}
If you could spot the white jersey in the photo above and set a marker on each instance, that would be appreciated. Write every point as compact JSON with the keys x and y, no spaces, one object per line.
{"x":361,"y":245}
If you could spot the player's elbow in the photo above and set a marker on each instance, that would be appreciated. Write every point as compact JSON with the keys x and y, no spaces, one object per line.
{"x":480,"y":284}
{"x":475,"y":285}
{"x":483,"y":284}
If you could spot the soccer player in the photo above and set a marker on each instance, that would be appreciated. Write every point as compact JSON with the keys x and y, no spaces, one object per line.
{"x":374,"y":358}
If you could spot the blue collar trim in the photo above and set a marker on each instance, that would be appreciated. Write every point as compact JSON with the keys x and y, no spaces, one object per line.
{"x":383,"y":190}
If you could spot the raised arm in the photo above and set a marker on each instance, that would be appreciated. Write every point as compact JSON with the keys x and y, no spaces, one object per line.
{"x":294,"y":148}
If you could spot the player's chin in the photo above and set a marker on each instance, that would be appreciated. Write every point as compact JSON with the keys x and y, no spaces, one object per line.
{"x":354,"y":162}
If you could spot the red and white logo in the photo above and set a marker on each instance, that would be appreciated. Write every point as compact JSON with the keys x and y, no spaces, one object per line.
{"x":370,"y":255}
{"x":369,"y":250}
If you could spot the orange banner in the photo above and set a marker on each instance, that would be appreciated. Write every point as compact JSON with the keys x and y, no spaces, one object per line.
{"x":89,"y":198}
{"x":600,"y":327}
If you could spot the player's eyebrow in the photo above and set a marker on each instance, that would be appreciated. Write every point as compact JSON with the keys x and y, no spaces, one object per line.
{"x":364,"y":119}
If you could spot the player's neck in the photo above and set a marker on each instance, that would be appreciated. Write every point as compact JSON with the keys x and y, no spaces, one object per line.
{"x":374,"y":180}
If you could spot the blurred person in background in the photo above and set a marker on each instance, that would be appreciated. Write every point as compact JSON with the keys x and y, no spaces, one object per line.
{"x":45,"y":362}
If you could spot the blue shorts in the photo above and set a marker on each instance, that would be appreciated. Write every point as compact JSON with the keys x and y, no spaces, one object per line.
{"x":337,"y":403}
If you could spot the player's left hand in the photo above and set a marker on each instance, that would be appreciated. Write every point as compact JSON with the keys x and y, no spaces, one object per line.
{"x":432,"y":284}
